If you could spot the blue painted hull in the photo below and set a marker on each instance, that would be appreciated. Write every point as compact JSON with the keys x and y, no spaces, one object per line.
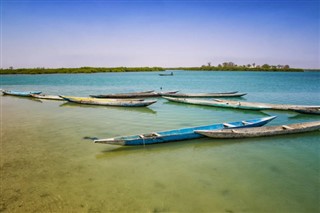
{"x":19,"y":93}
{"x":180,"y":134}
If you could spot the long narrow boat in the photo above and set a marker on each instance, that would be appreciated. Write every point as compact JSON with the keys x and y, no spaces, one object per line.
{"x":47,"y":97}
{"x":205,"y":95}
{"x":315,"y":111}
{"x":20,"y":93}
{"x":108,"y":102}
{"x":124,"y":94}
{"x":261,"y":131}
{"x":214,"y":103}
{"x":180,"y":134}
{"x":134,"y":95}
{"x":267,"y":105}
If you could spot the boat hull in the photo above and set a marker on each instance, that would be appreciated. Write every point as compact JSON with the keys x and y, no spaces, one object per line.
{"x":215,"y":103}
{"x":262,"y":131}
{"x":205,"y":95}
{"x":47,"y":97}
{"x":180,"y":134}
{"x":134,"y":95}
{"x":108,"y":102}
{"x":314,"y":111}
{"x":20,"y":93}
{"x":270,"y":106}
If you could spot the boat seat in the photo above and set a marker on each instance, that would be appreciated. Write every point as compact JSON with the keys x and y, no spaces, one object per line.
{"x":246,"y":123}
{"x":151,"y":135}
{"x":286,"y":127}
{"x":156,"y":134}
{"x":228,"y":125}
{"x":141,"y":136}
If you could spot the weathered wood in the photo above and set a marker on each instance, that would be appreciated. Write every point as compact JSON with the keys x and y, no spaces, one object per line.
{"x":315,"y":111}
{"x":215,"y":103}
{"x":109,"y":102}
{"x":135,"y":95}
{"x":268,"y":105}
{"x":262,"y":131}
{"x":47,"y":97}
{"x":205,"y":95}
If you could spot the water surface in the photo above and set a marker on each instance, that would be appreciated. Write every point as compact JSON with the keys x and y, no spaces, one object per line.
{"x":46,"y":166}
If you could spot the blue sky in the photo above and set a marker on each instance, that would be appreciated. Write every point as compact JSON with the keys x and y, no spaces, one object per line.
{"x":172,"y":33}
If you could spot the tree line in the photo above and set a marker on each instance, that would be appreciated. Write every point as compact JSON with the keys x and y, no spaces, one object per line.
{"x":230,"y":66}
{"x":226,"y":66}
{"x":40,"y":70}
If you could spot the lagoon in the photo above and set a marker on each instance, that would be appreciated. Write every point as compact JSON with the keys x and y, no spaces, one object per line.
{"x":46,"y":166}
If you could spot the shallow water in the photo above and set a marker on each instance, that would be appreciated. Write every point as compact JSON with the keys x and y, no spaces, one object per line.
{"x":46,"y":166}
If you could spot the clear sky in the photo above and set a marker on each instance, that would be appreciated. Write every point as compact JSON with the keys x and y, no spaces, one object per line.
{"x":169,"y":33}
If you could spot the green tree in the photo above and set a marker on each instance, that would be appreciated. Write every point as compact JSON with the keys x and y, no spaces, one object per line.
{"x":265,"y":66}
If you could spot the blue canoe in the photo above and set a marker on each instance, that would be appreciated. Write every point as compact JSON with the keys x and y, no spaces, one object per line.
{"x":20,"y":93}
{"x":180,"y":134}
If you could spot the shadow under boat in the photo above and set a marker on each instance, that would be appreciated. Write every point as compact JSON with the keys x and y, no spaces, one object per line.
{"x":127,"y":109}
{"x":116,"y":151}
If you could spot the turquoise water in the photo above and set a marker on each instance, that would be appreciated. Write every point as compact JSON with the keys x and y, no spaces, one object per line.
{"x":46,"y":166}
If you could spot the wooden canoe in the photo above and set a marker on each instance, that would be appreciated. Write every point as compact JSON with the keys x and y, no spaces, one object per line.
{"x":108,"y":102}
{"x":180,"y":134}
{"x":134,"y":95}
{"x":205,"y":95}
{"x":20,"y":93}
{"x":267,"y":105}
{"x":315,"y":111}
{"x":262,"y":131}
{"x":234,"y":104}
{"x":47,"y":97}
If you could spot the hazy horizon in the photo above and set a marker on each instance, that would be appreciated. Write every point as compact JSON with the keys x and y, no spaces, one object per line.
{"x":141,"y":33}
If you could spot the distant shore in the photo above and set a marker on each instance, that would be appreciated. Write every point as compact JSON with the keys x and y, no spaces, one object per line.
{"x":141,"y":69}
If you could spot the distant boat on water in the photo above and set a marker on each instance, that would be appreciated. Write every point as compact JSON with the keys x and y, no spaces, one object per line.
{"x":166,"y":74}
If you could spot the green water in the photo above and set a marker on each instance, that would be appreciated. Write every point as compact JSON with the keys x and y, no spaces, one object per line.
{"x":46,"y":166}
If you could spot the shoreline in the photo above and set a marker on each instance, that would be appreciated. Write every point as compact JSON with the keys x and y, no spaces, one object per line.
{"x":90,"y":70}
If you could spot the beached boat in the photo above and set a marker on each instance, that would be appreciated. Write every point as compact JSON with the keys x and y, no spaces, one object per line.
{"x":214,"y":103}
{"x":108,"y":102}
{"x":180,"y":134}
{"x":20,"y":93}
{"x":47,"y":97}
{"x":315,"y":111}
{"x":134,"y":95}
{"x":205,"y":95}
{"x":267,"y":105}
{"x":261,"y":131}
